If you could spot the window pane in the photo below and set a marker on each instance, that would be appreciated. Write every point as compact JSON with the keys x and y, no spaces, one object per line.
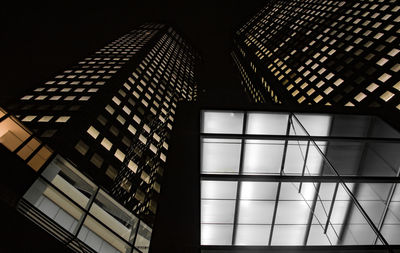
{"x":53,"y":204}
{"x":263,"y":157}
{"x":222,"y":122}
{"x":220,"y":156}
{"x":288,"y":234}
{"x":213,"y":234}
{"x":255,"y":212}
{"x":316,"y":125}
{"x":143,"y":237}
{"x":114,"y":216}
{"x":217,"y":211}
{"x":258,"y":190}
{"x":70,"y":181}
{"x":267,"y":123}
{"x":252,"y":234}
{"x":100,"y":238}
{"x":218,"y":190}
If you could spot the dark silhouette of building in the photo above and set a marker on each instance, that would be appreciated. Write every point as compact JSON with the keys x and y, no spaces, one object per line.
{"x":98,"y":135}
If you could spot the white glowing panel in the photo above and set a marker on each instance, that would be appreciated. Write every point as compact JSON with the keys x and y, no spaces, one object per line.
{"x":220,"y":156}
{"x":255,"y":212}
{"x":316,"y":125}
{"x":217,"y":211}
{"x":222,"y":122}
{"x":252,"y":234}
{"x":218,"y":189}
{"x":258,"y":190}
{"x":215,"y":234}
{"x":288,"y":235}
{"x":295,"y":155}
{"x":292,"y":212}
{"x":263,"y":156}
{"x":266,"y":123}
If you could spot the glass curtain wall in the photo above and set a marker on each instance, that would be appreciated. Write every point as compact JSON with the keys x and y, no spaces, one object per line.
{"x":291,"y":179}
{"x":82,"y":215}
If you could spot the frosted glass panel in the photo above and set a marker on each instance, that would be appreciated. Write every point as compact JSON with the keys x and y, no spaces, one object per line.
{"x":252,"y":234}
{"x":266,"y":123}
{"x":256,"y":212}
{"x":292,"y":212}
{"x":295,"y":155}
{"x":258,"y":190}
{"x":317,"y":125}
{"x":263,"y":157}
{"x":317,"y":236}
{"x":391,"y":232}
{"x":288,"y":234}
{"x":220,"y":156}
{"x":217,"y":211}
{"x":222,"y":122}
{"x":213,"y":234}
{"x":218,"y":190}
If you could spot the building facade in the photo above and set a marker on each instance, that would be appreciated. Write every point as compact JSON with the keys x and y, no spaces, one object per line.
{"x":108,"y":119}
{"x":322,"y":53}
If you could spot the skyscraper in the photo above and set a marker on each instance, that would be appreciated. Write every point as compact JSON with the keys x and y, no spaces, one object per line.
{"x":106,"y":123}
{"x":322,"y":53}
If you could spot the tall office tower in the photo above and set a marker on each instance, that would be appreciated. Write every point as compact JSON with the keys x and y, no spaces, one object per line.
{"x":111,"y":115}
{"x":327,"y":53}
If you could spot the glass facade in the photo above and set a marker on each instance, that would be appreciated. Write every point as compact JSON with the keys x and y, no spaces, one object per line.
{"x":297,"y":179}
{"x":76,"y":211}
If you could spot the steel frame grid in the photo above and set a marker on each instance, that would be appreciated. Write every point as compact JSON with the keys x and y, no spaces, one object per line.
{"x":337,"y":178}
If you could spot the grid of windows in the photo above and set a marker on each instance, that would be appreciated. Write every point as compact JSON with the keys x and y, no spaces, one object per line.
{"x":133,"y":86}
{"x":328,"y":52}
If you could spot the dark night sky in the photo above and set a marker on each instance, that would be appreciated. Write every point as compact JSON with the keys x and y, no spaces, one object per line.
{"x":43,"y":39}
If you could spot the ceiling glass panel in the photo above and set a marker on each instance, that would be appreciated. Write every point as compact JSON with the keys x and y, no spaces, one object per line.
{"x":317,"y":236}
{"x":266,"y":123}
{"x":252,"y":234}
{"x":255,"y":212}
{"x":316,"y":125}
{"x":289,"y":235}
{"x":217,"y":211}
{"x":295,"y":155}
{"x":218,"y":122}
{"x":292,"y":212}
{"x":258,"y":190}
{"x":218,"y":189}
{"x":391,"y":232}
{"x":220,"y":156}
{"x":215,"y":234}
{"x":262,"y":157}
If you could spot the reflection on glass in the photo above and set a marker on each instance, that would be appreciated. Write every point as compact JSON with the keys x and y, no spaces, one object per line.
{"x":143,"y":237}
{"x":114,"y":216}
{"x":53,"y":204}
{"x":220,"y":156}
{"x":70,"y":181}
{"x":101,"y":239}
{"x":266,"y":123}
{"x":255,"y":212}
{"x":215,"y":122}
{"x":263,"y":157}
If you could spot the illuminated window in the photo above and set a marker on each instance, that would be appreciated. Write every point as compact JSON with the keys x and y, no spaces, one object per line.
{"x":106,"y":144}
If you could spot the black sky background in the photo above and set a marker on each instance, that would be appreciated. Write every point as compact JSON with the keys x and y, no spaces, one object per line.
{"x":42,"y":39}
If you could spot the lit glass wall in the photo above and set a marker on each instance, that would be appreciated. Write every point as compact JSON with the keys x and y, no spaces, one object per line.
{"x":79,"y":213}
{"x":284,"y":179}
